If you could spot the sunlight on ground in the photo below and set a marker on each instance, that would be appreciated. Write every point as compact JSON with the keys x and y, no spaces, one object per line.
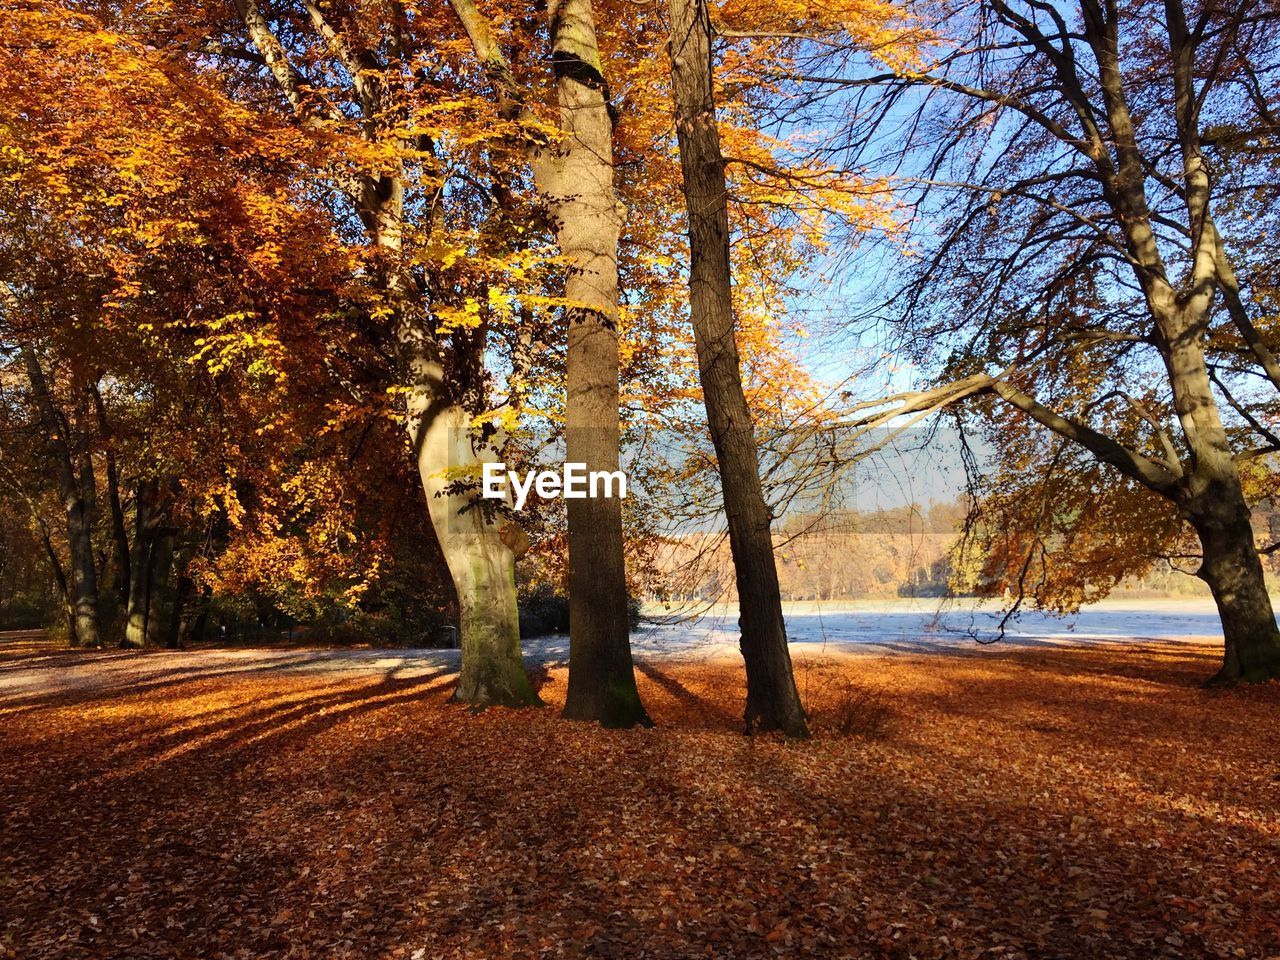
{"x":1025,"y":803}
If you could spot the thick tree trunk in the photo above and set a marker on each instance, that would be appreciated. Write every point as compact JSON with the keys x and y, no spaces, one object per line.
{"x":1213,"y":502}
{"x":578,"y":186}
{"x":574,"y":179}
{"x":481,"y":571}
{"x":84,"y":577}
{"x":135,"y":631}
{"x":480,"y":561}
{"x":480,"y":564}
{"x":773,"y":703}
{"x":1233,"y":571}
{"x":83,"y":586}
{"x":159,"y":589}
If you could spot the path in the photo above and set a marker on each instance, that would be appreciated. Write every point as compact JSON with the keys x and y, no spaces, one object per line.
{"x":30,"y":669}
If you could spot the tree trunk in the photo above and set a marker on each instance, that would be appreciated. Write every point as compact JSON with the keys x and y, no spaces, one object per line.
{"x":480,"y":564}
{"x":1213,"y":502}
{"x":480,"y":561}
{"x":60,"y":581}
{"x":180,"y":596}
{"x":141,"y":562}
{"x":159,"y":590}
{"x":119,"y":533}
{"x":578,"y":186}
{"x":489,"y":621}
{"x":574,"y":180}
{"x":773,"y":703}
{"x":1233,"y":571}
{"x":194,"y":628}
{"x":84,"y":578}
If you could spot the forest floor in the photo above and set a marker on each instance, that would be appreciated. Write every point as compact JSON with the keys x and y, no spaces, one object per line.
{"x":1020,"y":802}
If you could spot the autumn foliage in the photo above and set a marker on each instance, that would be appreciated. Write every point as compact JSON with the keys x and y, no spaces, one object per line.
{"x":280,"y":279}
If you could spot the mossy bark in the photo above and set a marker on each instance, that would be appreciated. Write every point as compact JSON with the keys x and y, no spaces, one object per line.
{"x":481,"y":563}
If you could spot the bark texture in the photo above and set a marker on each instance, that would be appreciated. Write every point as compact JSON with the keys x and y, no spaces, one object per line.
{"x":773,"y":702}
{"x":574,"y":177}
{"x":72,"y":486}
{"x":578,"y":187}
{"x":480,"y":562}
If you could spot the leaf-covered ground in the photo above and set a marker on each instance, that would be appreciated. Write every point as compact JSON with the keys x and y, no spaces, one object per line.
{"x":1044,"y":804}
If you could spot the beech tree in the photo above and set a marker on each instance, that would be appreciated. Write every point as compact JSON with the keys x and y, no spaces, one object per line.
{"x":1090,"y":177}
{"x":369,"y":56}
{"x":830,"y":197}
{"x":772,"y":700}
{"x":573,"y":169}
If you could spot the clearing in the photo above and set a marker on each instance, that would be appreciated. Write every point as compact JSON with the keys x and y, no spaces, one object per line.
{"x":1045,"y":799}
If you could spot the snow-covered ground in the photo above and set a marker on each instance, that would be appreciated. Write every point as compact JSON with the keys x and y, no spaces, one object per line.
{"x":844,"y":629}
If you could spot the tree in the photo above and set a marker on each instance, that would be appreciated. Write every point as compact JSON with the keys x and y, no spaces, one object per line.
{"x":1079,"y":170}
{"x":773,"y":702}
{"x":68,"y":449}
{"x":30,"y":551}
{"x":180,"y":283}
{"x":574,"y":177}
{"x":373,"y":48}
{"x":578,"y":180}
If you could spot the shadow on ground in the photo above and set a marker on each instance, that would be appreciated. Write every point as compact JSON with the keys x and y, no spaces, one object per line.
{"x":1037,"y":804}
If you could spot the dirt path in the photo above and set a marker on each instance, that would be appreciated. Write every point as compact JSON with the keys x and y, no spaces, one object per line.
{"x":32,"y":668}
